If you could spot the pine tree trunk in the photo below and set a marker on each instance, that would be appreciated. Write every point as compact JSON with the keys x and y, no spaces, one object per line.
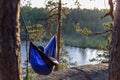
{"x":59,"y":29}
{"x":114,"y":63}
{"x":10,"y":63}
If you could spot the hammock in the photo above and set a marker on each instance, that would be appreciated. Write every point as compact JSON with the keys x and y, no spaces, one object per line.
{"x":40,"y":61}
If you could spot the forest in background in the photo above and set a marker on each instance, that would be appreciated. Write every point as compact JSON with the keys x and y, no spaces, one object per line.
{"x":85,"y":18}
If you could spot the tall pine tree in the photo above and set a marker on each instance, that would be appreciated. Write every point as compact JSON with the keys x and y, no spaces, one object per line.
{"x":10,"y":63}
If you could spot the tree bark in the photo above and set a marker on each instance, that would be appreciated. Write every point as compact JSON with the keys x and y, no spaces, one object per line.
{"x":10,"y":62}
{"x":114,"y":63}
{"x":59,"y":29}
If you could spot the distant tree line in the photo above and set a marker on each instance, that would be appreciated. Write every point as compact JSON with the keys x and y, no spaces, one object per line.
{"x":85,"y":18}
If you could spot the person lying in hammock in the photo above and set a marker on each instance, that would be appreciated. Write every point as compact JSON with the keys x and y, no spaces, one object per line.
{"x":53,"y":59}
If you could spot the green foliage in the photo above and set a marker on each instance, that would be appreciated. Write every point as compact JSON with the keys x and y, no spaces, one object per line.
{"x":65,"y":59}
{"x":37,"y":32}
{"x":84,"y":31}
{"x":31,"y":75}
{"x":108,"y":25}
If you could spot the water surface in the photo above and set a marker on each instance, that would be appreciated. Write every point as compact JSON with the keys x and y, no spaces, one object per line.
{"x":78,"y":55}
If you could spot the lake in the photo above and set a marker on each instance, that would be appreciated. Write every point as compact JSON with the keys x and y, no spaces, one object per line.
{"x":78,"y":55}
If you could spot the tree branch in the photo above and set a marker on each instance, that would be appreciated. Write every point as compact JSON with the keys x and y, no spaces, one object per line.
{"x":100,"y":33}
{"x":110,"y":13}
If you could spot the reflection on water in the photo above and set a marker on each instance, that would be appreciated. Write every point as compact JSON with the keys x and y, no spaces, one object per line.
{"x":79,"y":55}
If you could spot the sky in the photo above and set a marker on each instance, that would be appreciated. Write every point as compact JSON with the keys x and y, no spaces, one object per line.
{"x":89,"y":4}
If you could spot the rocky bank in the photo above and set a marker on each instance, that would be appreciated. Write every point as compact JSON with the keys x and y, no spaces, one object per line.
{"x":86,"y":72}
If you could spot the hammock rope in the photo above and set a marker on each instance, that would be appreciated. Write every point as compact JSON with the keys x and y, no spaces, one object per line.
{"x":27,"y":39}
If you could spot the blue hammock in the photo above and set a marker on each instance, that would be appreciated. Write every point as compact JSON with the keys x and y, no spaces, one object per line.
{"x":39,"y":60}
